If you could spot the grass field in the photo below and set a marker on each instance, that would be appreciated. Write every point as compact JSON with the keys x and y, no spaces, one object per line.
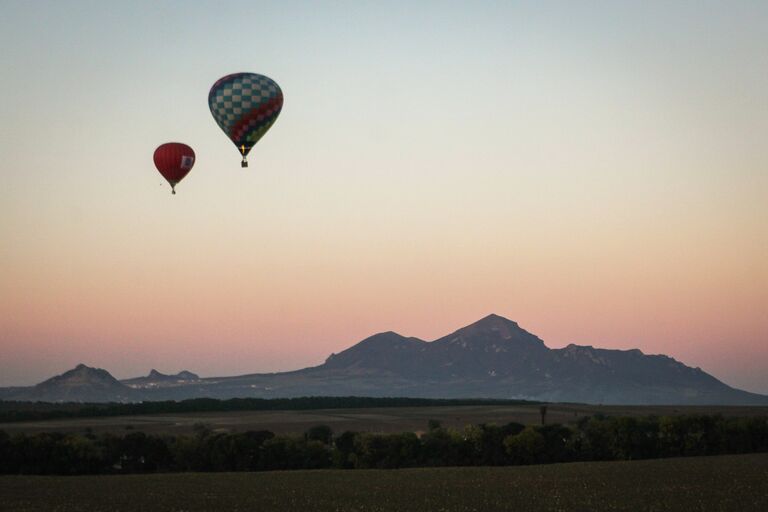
{"x":392,"y":419}
{"x":724,"y":483}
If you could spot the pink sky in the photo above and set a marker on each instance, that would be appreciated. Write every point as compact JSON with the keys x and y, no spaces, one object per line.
{"x":598,"y":177}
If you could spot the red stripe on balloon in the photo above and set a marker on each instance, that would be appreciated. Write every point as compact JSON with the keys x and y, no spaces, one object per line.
{"x":264,"y":110}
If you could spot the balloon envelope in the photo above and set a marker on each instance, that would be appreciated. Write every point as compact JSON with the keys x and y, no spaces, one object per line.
{"x":174,"y":160}
{"x":245,"y":105}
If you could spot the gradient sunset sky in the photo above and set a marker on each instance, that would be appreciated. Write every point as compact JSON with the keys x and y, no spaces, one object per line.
{"x":595,"y":171}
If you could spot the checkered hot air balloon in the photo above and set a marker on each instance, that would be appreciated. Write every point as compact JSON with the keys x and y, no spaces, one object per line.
{"x":174,"y":160}
{"x":245,"y":105}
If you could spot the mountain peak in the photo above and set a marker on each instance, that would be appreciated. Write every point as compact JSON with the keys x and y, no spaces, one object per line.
{"x":81,"y":383}
{"x":492,"y":329}
{"x":81,"y":373}
{"x":494,"y":316}
{"x":157,"y":379}
{"x":385,"y":349}
{"x":388,"y":335}
{"x":494,"y":320}
{"x":386,"y":339}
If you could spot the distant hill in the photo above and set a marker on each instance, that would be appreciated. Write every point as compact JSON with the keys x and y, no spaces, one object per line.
{"x":81,"y":384}
{"x":157,"y":379}
{"x":491,"y":358}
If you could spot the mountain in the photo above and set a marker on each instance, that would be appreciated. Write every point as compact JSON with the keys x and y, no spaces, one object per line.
{"x":81,"y":384}
{"x":157,"y":379}
{"x":387,"y":352}
{"x":491,"y":358}
{"x":495,"y":358}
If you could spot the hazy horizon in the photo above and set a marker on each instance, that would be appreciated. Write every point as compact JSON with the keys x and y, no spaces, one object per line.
{"x":595,"y":172}
{"x":179,"y":369}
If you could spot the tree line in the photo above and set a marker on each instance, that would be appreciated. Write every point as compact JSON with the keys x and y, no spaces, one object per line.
{"x":11,"y":411}
{"x":590,"y":439}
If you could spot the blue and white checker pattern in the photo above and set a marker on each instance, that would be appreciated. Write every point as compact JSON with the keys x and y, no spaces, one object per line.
{"x":234,"y":96}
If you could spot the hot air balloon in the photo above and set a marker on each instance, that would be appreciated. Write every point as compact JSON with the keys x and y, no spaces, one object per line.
{"x":174,"y":160}
{"x":245,"y":105}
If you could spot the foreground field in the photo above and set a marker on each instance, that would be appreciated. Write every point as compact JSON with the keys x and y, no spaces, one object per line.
{"x":384,"y":419}
{"x":724,"y":483}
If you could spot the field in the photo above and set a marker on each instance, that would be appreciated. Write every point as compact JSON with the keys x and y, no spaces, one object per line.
{"x":392,"y":419}
{"x":723,"y":483}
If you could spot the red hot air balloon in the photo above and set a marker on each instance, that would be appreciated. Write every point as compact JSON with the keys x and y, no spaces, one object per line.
{"x":174,"y":160}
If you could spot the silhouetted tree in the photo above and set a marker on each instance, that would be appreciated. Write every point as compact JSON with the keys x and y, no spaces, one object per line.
{"x":322,"y":433}
{"x":527,"y":447}
{"x":433,"y":424}
{"x":344,"y":449}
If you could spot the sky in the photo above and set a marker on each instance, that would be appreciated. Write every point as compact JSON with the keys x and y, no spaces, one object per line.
{"x":595,"y":171}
